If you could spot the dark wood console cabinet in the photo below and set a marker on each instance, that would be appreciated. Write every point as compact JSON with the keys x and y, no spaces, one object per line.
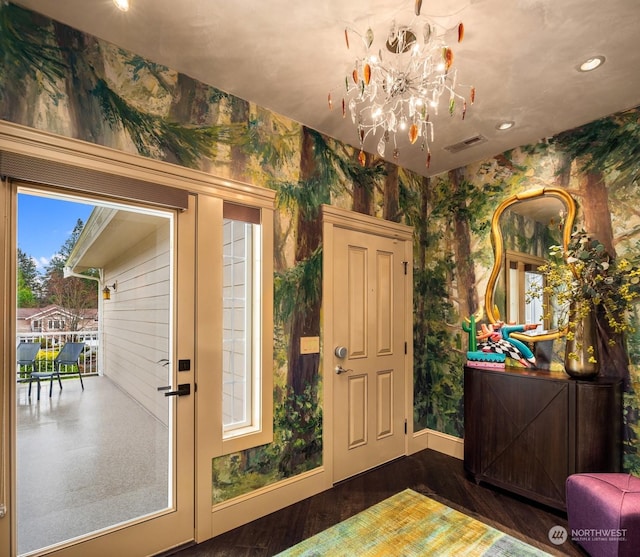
{"x":526,"y":431}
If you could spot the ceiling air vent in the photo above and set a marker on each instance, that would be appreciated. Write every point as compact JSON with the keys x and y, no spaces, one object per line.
{"x":466,"y":143}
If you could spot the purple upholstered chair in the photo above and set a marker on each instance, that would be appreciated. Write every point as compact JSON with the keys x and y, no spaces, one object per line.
{"x":604,"y":513}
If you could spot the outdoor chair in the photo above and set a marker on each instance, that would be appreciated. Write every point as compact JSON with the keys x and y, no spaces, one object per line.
{"x":68,"y":356}
{"x":26,"y":357}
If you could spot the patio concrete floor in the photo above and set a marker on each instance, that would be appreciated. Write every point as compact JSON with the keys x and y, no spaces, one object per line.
{"x":86,"y":460}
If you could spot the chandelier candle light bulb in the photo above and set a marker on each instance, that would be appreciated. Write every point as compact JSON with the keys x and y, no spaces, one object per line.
{"x":397,"y":85}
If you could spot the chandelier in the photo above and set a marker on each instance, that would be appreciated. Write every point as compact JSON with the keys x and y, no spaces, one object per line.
{"x":396,"y":84}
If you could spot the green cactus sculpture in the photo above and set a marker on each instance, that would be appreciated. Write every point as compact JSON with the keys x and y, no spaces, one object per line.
{"x":469,"y":326}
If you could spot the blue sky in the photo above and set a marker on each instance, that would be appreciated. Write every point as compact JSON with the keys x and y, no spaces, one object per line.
{"x":44,"y":224}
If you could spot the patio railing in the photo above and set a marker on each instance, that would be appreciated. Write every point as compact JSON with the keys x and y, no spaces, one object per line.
{"x":52,"y":343}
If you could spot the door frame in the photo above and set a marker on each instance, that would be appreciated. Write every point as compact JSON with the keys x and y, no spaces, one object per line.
{"x":332,"y":218}
{"x":48,"y":147}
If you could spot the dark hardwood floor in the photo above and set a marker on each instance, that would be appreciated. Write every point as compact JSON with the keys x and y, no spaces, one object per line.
{"x":428,"y":472}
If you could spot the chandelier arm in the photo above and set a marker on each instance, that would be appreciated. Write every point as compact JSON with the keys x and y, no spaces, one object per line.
{"x":364,"y":138}
{"x":453,"y":93}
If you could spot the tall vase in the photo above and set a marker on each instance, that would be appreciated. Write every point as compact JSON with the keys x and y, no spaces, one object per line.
{"x":581,"y":352}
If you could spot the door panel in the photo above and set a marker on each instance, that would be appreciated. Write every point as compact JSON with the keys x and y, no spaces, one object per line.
{"x":357,"y":308}
{"x":358,"y":406}
{"x":384,"y":407}
{"x":384,"y":306}
{"x":368,"y":318}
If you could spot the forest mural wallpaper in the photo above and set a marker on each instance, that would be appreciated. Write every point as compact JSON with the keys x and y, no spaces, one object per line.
{"x":58,"y":79}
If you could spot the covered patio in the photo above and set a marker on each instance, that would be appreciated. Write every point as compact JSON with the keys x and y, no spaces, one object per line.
{"x":86,"y":460}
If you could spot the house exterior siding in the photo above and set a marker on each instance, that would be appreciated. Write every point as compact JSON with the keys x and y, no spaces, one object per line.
{"x":136,"y":320}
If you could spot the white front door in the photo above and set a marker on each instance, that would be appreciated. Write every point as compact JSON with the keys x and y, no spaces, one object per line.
{"x":370,"y":373}
{"x":107,"y":468}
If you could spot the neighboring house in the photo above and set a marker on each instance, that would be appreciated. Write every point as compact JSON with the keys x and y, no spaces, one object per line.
{"x":55,"y":319}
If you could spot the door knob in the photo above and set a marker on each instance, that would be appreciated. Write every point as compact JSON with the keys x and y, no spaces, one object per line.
{"x":340,"y":369}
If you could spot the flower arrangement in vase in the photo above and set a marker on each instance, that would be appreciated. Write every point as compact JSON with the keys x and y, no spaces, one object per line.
{"x":584,"y":285}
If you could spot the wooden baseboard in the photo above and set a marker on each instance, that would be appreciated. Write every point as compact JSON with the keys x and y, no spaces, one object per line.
{"x":256,"y":504}
{"x":441,"y":442}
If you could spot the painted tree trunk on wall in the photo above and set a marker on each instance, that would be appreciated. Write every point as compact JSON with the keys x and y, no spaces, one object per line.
{"x":423,"y":218}
{"x":82,"y":55}
{"x":281,"y":233}
{"x":420,"y":296}
{"x":30,"y":66}
{"x":17,"y":105}
{"x":363,"y":189}
{"x":190,"y":103}
{"x":184,"y":94}
{"x":420,"y":264}
{"x":391,"y":208}
{"x":594,"y":202}
{"x":465,"y":270}
{"x":182,"y":107}
{"x":303,"y":368}
{"x":563,"y":175}
{"x":239,"y":157}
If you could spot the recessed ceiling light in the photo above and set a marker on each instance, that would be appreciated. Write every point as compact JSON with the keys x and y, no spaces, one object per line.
{"x":505,"y":125}
{"x":122,"y":5}
{"x":591,"y":64}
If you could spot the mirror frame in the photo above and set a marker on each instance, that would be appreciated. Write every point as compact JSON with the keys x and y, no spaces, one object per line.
{"x":498,"y":247}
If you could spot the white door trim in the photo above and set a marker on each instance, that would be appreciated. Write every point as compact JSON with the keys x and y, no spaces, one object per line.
{"x":153,"y":533}
{"x":46,"y":146}
{"x":335,"y":217}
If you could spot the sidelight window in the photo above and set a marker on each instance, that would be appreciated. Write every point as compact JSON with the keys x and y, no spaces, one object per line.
{"x":235,"y":316}
{"x":241,"y":321}
{"x":241,"y":325}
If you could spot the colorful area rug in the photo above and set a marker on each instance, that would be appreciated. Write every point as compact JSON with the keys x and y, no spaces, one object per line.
{"x":411,"y":524}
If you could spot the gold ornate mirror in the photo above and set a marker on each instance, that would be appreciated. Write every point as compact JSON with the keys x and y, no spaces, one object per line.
{"x":523,"y":228}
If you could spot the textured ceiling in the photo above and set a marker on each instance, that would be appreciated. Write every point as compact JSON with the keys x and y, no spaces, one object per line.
{"x":521,"y":56}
